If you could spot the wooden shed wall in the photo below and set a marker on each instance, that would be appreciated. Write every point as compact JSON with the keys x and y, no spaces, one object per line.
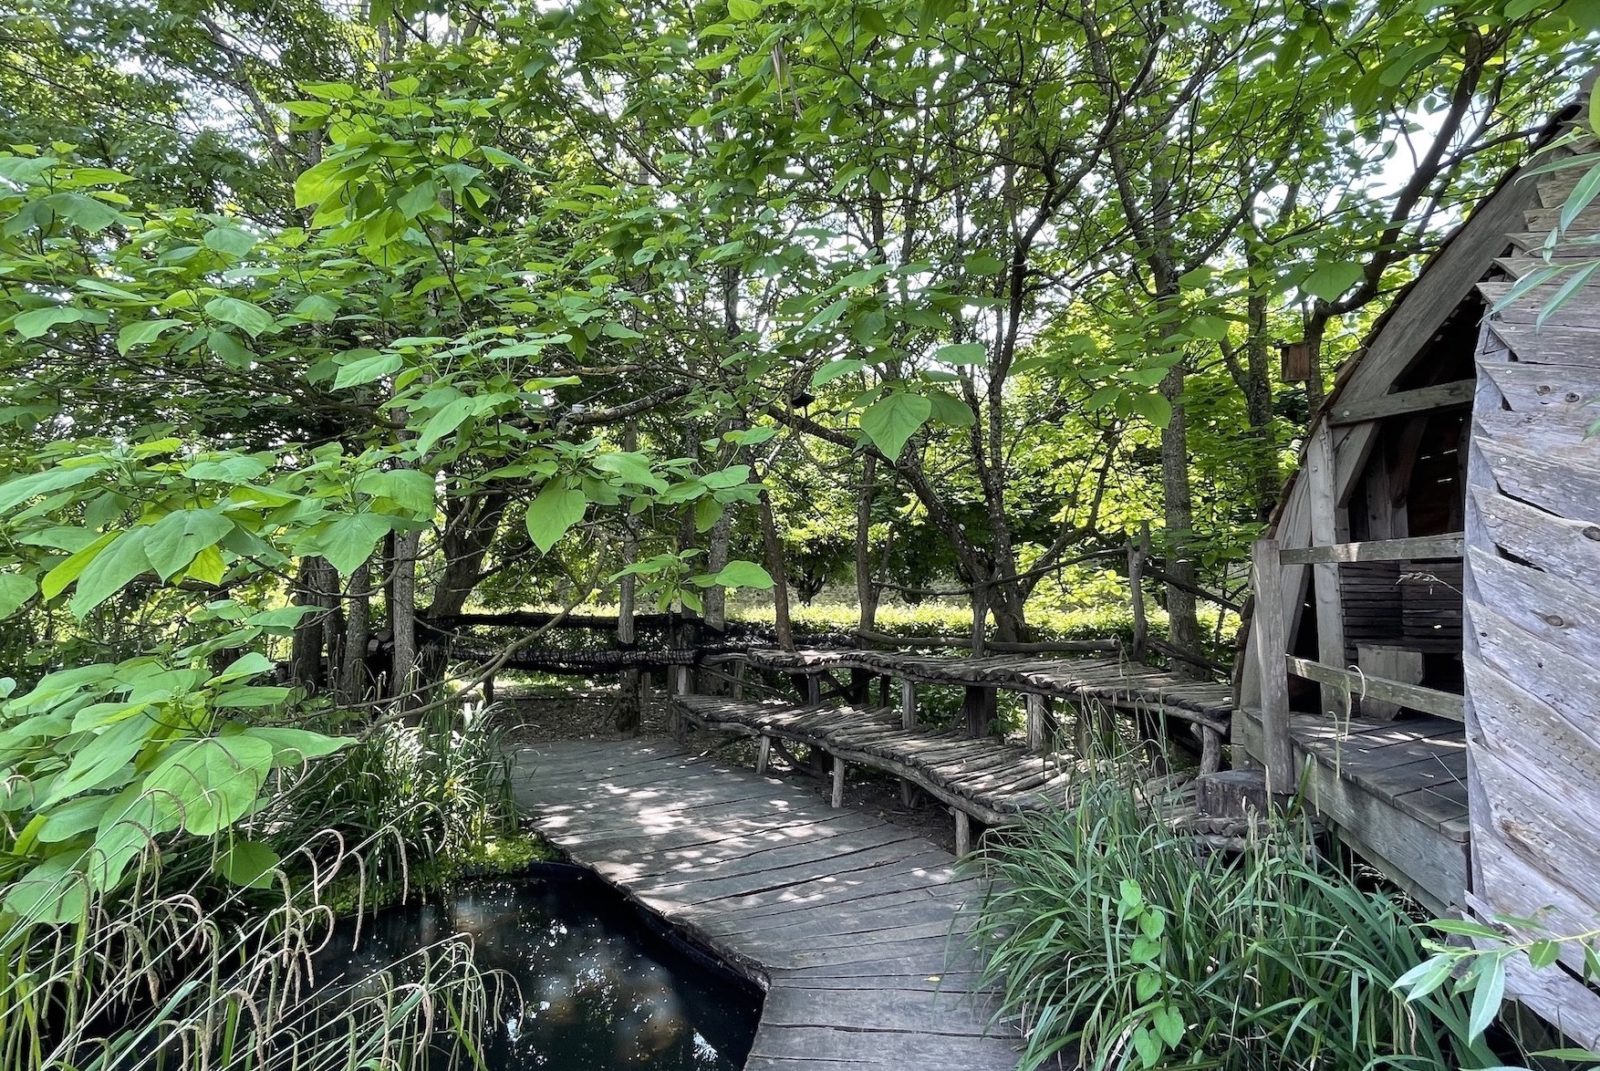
{"x":1532,"y":655}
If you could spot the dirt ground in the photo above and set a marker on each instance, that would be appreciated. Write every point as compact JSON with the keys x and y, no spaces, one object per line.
{"x":527,"y":718}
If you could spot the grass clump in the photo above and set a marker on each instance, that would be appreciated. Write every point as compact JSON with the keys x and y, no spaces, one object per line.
{"x":1123,"y":945}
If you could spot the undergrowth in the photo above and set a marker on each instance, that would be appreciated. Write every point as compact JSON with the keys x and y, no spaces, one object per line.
{"x":180,"y":968}
{"x":1120,"y":944}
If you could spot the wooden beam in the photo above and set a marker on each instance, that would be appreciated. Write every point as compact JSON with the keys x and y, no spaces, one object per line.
{"x":1377,"y":550}
{"x":1325,"y":530}
{"x":1441,"y":396}
{"x":963,"y":833}
{"x":764,"y":755}
{"x":908,"y":704}
{"x":1271,"y":646}
{"x":1427,"y":700}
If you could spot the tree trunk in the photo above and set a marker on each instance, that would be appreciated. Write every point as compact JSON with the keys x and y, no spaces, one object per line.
{"x":1183,"y":626}
{"x":1258,"y":405}
{"x":626,"y":714}
{"x":403,"y":617}
{"x":780,"y":582}
{"x":866,"y":591}
{"x":471,"y":524}
{"x":716,"y":598}
{"x":353,"y":677}
{"x":306,"y":668}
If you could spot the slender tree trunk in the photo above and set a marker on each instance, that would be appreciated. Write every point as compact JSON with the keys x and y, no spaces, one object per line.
{"x":780,"y":581}
{"x":1183,"y":626}
{"x":629,"y":700}
{"x":353,"y":677}
{"x":403,"y":616}
{"x":716,"y":598}
{"x":866,"y":591}
{"x":306,"y":667}
{"x":1258,"y":404}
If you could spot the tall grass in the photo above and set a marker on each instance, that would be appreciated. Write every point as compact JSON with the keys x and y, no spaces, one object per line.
{"x":1121,"y":944}
{"x":181,"y":969}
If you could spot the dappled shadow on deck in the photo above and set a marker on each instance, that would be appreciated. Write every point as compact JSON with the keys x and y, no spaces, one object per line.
{"x":852,"y":922}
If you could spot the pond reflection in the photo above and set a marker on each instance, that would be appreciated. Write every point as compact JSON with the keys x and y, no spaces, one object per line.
{"x":601,"y":989}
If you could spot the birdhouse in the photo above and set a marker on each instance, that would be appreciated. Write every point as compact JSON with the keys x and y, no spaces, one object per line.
{"x":1298,"y":365}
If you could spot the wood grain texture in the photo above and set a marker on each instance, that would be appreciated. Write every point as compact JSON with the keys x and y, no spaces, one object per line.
{"x":853,"y":926}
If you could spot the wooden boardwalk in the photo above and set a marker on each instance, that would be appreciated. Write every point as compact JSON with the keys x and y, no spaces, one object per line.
{"x":854,"y":925}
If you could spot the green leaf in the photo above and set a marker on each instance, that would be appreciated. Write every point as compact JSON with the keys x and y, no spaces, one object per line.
{"x":741,"y":574}
{"x":247,"y":316}
{"x":348,"y":541}
{"x":1168,"y":1026}
{"x":984,"y":264}
{"x":14,"y":591}
{"x":744,"y":10}
{"x":295,"y":747}
{"x":175,"y":539}
{"x":633,"y":468}
{"x":834,"y":369}
{"x":948,"y":409}
{"x":111,"y":570}
{"x":57,"y":579}
{"x":366,"y":370}
{"x":133,"y":818}
{"x":230,"y":240}
{"x":1544,"y":953}
{"x":53,"y":892}
{"x":419,"y":199}
{"x":1328,"y":281}
{"x":893,"y":419}
{"x":1209,"y":327}
{"x":962,"y":353}
{"x":410,"y":489}
{"x":213,"y":781}
{"x":250,"y":664}
{"x":39,"y":321}
{"x":1153,"y":407}
{"x":248,"y":863}
{"x":1486,"y":995}
{"x":556,"y":509}
{"x":250,"y":696}
{"x":23,"y":488}
{"x":145,"y":331}
{"x":445,"y":421}
{"x":102,"y":760}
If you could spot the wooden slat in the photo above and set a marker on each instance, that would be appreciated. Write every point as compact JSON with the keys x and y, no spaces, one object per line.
{"x":1428,"y":700}
{"x":1416,"y":548}
{"x":1422,"y":399}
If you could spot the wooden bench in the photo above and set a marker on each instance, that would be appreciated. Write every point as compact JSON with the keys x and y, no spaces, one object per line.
{"x":1112,"y":683}
{"x":986,"y":780}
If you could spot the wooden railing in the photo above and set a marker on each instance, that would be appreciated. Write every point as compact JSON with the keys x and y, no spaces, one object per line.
{"x":1339,"y":683}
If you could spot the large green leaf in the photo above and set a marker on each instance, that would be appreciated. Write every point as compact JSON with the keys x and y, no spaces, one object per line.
{"x":14,"y":591}
{"x":410,"y":489}
{"x":23,"y":488}
{"x":55,"y":891}
{"x":248,"y":863}
{"x":741,"y":574}
{"x":105,"y":760}
{"x":893,"y":419}
{"x":130,"y":823}
{"x":175,"y":539}
{"x":550,"y":515}
{"x":293,"y":747}
{"x":213,"y":781}
{"x":1328,"y":281}
{"x":349,"y":540}
{"x":142,"y":332}
{"x":247,"y":316}
{"x":111,"y":570}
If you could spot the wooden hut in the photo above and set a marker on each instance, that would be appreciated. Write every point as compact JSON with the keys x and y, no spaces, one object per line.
{"x":1424,"y":656}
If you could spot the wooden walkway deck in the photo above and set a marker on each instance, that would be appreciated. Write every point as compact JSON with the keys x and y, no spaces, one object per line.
{"x":851,"y":923}
{"x":1396,"y":791}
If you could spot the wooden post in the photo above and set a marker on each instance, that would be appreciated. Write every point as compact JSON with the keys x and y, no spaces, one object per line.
{"x":1268,"y":636}
{"x":1138,"y":554}
{"x":979,"y":707}
{"x":838,"y":782}
{"x":1210,"y":750}
{"x":1320,"y":467}
{"x":813,"y":689}
{"x":764,"y":754}
{"x":488,"y":690}
{"x":963,"y":833}
{"x":1038,"y":721}
{"x":908,"y":705}
{"x":739,"y":667}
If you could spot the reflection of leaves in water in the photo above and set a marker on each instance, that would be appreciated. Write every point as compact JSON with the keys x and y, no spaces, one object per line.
{"x":587,"y":994}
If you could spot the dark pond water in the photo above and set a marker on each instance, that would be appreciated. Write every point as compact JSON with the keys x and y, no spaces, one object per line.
{"x":603,"y":986}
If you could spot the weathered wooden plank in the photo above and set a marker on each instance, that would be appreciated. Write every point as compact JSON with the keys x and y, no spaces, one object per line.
{"x":884,"y":1009}
{"x":1270,"y":641}
{"x":1442,"y":396}
{"x":1565,"y":548}
{"x":1566,"y":684}
{"x":1550,"y":834}
{"x":1554,"y":609}
{"x":1416,"y":548}
{"x":1428,"y":700}
{"x":905,"y":1050}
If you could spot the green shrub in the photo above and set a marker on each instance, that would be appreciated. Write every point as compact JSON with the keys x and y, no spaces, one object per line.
{"x":1109,"y":934}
